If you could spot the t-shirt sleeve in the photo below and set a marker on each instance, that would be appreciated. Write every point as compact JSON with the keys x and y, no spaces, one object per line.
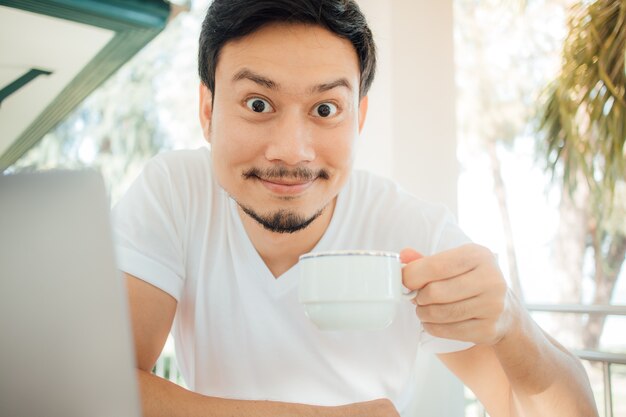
{"x":148,"y":232}
{"x":446,"y":235}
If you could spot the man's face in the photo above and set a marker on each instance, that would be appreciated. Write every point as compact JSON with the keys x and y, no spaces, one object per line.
{"x":283,"y":122}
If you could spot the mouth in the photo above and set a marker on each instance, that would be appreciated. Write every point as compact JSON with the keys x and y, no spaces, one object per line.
{"x":282,"y":187}
{"x":286,"y":182}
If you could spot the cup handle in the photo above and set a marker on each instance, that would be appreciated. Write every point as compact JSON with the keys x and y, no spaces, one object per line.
{"x":409,"y":296}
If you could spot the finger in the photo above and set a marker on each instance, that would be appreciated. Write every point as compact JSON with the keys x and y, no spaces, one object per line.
{"x":482,"y":307}
{"x":454,"y":289}
{"x":444,"y":265}
{"x":408,"y":255}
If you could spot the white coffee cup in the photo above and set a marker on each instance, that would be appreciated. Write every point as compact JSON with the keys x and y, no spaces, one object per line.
{"x":351,"y":290}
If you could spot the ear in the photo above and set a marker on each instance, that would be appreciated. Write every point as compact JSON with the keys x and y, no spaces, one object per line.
{"x":362,"y":112}
{"x":206,"y":110}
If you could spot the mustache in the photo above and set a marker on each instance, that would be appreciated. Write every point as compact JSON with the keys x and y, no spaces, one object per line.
{"x":281,"y":172}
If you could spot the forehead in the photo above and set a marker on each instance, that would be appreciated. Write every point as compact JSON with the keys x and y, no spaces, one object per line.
{"x":292,"y":55}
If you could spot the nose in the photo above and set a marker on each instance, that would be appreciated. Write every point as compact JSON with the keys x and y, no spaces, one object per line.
{"x":291,"y":140}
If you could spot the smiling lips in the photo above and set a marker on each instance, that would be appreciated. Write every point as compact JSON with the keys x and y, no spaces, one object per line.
{"x":284,"y":187}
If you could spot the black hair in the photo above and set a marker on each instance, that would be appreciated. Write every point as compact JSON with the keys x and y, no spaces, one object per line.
{"x":228,"y":20}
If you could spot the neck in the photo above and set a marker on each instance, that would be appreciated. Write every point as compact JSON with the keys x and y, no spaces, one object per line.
{"x":280,"y":251}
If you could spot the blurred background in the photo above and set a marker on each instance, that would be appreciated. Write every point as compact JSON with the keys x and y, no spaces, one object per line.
{"x":511,"y":112}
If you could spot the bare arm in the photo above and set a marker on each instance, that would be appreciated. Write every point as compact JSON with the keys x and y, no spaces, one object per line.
{"x":530,"y":374}
{"x":152,"y":313}
{"x":515,"y":369}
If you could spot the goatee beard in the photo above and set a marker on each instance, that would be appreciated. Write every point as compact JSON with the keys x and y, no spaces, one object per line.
{"x":281,"y":221}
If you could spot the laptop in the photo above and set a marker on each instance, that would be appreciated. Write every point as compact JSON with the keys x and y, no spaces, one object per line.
{"x":65,"y":339}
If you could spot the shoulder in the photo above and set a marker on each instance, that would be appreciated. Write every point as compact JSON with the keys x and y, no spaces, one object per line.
{"x":182,"y":170}
{"x":173,"y":181}
{"x":382,"y":204}
{"x":188,"y":161}
{"x":387,"y":196}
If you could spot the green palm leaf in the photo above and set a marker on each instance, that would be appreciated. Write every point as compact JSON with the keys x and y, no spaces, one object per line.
{"x":583,"y":112}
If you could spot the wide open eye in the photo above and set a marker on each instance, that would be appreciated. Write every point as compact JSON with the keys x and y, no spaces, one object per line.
{"x":325,"y":109}
{"x":259,"y":105}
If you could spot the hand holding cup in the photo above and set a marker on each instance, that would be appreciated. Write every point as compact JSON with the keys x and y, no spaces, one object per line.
{"x":462,"y":294}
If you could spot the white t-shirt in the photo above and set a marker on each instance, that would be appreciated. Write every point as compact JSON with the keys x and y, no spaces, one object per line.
{"x":240,"y":332}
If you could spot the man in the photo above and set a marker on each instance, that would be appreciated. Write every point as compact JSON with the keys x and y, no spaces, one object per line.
{"x":210,"y":241}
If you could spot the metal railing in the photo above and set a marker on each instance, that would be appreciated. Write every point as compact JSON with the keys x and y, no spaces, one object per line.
{"x":606,"y":358}
{"x":607,"y":310}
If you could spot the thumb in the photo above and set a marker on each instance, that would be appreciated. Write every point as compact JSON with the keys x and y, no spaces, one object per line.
{"x":408,"y":255}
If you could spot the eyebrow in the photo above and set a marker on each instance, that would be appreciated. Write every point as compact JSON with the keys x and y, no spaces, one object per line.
{"x":246,"y":74}
{"x":341,"y":82}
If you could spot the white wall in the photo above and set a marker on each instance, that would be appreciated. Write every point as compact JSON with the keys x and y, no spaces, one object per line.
{"x":410,"y":130}
{"x":410,"y":136}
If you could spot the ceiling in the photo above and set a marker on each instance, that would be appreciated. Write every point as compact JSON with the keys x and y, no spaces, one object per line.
{"x":59,"y":46}
{"x":53,"y":53}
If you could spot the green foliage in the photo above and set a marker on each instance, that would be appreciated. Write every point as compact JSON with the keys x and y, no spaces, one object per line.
{"x":584,"y":125}
{"x":583,"y":117}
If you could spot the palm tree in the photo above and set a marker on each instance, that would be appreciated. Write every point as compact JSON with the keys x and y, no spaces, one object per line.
{"x":583,"y":126}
